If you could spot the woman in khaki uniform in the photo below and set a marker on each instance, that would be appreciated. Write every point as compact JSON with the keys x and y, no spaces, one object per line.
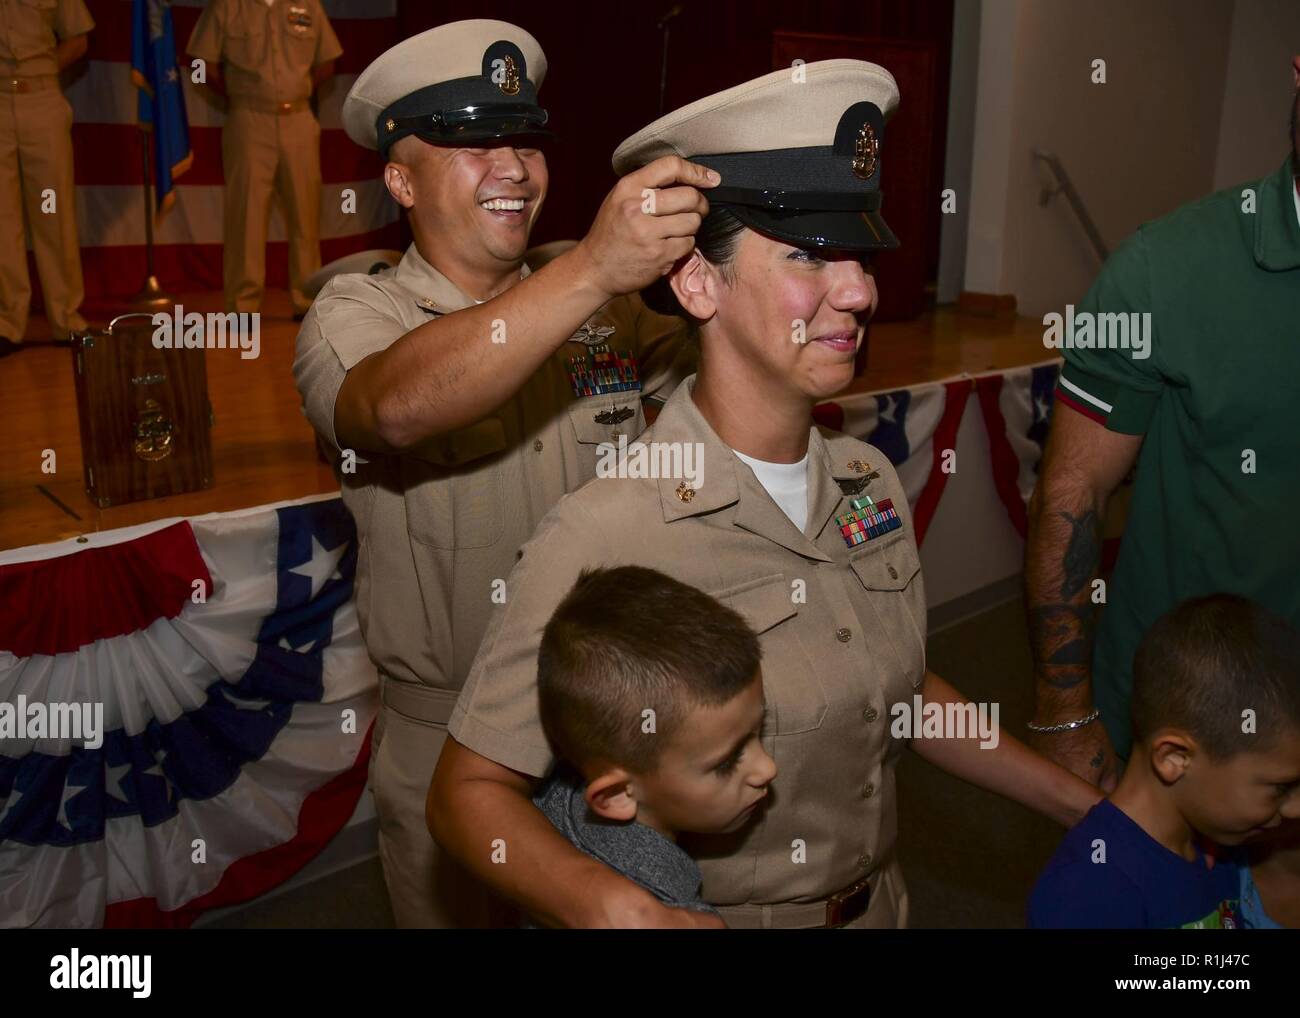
{"x":805,"y":532}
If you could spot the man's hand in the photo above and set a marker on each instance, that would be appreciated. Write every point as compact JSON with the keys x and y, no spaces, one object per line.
{"x":1085,"y":751}
{"x":646,"y":224}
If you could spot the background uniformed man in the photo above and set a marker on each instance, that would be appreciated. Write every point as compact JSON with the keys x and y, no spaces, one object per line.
{"x":37,"y":41}
{"x":267,"y":57}
{"x":462,"y":396}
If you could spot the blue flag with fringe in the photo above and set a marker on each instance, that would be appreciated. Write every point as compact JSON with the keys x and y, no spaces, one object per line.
{"x":161,"y":95}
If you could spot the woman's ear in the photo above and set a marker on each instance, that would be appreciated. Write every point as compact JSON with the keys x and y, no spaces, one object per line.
{"x":694,"y":283}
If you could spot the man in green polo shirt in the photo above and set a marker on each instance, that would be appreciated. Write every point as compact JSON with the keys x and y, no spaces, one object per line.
{"x":1184,"y":357}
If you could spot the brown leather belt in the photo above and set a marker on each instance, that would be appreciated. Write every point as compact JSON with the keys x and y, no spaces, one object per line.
{"x":267,"y":106}
{"x":36,"y":83}
{"x":422,"y":703}
{"x":840,"y":909}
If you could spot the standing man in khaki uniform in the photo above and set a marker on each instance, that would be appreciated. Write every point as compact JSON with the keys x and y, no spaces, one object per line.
{"x":806,"y":533}
{"x":267,"y":57}
{"x":462,"y":395}
{"x":37,"y":41}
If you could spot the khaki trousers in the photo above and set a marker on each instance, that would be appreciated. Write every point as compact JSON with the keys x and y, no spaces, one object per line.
{"x":264,"y":154}
{"x":428,"y":890}
{"x":36,"y":155}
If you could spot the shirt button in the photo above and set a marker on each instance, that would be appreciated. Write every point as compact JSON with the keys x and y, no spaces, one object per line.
{"x":537,"y":446}
{"x":893,"y":573}
{"x":843,"y":635}
{"x":616,"y":435}
{"x":868,"y":790}
{"x":870,"y":714}
{"x":864,"y":860}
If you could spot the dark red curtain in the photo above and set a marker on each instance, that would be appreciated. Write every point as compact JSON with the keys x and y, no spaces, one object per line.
{"x":604,"y":71}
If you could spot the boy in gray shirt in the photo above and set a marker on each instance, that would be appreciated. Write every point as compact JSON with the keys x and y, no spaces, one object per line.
{"x":652,"y":696}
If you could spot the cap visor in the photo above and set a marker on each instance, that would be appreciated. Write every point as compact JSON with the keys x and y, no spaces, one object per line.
{"x":503,"y":130}
{"x":849,"y":231}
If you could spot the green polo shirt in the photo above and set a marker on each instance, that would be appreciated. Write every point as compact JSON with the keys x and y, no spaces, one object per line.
{"x":1216,"y":505}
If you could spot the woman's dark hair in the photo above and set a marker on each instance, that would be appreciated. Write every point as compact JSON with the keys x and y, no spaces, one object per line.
{"x":716,"y":242}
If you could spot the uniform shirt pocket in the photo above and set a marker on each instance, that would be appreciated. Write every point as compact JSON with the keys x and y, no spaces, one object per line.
{"x":604,"y":418}
{"x":28,"y":40}
{"x":243,"y":47}
{"x":888,"y":572}
{"x":796,"y":700}
{"x":453,"y":489}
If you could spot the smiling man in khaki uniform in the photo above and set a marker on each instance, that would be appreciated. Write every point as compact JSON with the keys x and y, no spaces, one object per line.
{"x":37,"y":41}
{"x":267,"y":57}
{"x":447,"y":389}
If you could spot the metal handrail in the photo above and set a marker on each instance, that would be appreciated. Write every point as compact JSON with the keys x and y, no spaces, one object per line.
{"x":1066,"y":187}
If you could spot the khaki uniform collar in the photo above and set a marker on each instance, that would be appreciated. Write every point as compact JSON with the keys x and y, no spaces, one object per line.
{"x":432,"y":290}
{"x":1277,"y":232}
{"x":830,"y":462}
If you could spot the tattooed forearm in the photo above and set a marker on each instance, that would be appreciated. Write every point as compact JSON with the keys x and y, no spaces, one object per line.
{"x":1060,"y":636}
{"x":1082,"y":554}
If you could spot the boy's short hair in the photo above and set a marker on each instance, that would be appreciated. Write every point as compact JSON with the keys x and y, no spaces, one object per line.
{"x":628,"y":639}
{"x":1209,"y":659}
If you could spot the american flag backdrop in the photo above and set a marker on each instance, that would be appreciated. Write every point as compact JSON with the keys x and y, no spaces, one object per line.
{"x":106,"y":143}
{"x":237,"y":702}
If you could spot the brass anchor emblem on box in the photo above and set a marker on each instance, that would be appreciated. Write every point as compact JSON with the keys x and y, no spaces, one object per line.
{"x":154,"y":431}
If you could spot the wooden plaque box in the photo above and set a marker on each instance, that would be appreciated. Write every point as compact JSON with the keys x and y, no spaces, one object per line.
{"x":144,"y":413}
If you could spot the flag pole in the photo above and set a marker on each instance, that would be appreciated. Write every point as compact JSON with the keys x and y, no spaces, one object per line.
{"x":151,"y":297}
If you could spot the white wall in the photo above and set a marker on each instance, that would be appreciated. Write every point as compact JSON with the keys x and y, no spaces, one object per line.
{"x":1136,"y":147}
{"x":1253,"y":122}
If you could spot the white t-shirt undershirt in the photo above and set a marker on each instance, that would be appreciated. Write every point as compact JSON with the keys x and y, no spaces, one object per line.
{"x":787,"y":483}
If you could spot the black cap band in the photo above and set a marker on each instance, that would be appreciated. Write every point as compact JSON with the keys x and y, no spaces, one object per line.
{"x":778,"y":199}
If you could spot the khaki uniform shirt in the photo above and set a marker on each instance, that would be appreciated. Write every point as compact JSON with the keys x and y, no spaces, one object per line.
{"x":30,"y":32}
{"x":842,"y":633}
{"x":436,"y":532}
{"x":267,"y":51}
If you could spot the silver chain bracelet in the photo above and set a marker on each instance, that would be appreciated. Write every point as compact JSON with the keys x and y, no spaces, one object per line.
{"x":1066,"y":726}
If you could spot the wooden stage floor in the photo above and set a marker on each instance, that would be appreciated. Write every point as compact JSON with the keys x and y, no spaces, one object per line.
{"x":263,"y":447}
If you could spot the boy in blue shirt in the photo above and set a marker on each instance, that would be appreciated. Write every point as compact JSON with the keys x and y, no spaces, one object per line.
{"x":1216,"y":756}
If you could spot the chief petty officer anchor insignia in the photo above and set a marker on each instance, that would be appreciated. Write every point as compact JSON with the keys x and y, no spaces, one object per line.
{"x":599,"y":370}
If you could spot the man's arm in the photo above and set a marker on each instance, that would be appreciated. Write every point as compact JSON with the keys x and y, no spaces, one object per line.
{"x":321,"y":72}
{"x":449,"y":374}
{"x":71,"y":50}
{"x":474,"y":801}
{"x":1082,"y":464}
{"x":214,"y":80}
{"x":1009,"y":768}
